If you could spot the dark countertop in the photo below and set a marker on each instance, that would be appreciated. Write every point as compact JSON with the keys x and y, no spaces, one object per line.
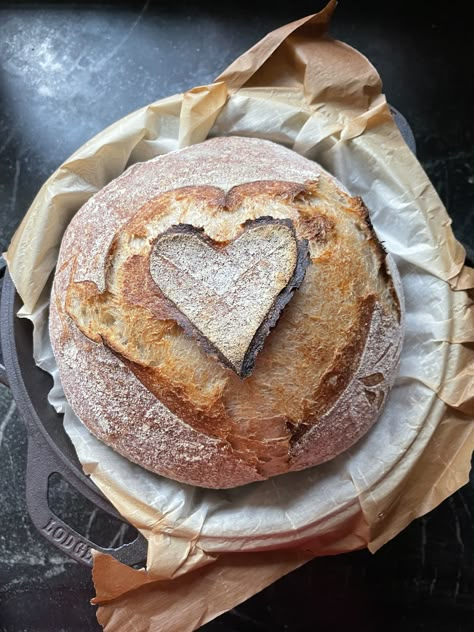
{"x":68,"y":70}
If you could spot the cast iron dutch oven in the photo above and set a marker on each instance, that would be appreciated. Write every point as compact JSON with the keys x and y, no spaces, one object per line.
{"x":50,"y":450}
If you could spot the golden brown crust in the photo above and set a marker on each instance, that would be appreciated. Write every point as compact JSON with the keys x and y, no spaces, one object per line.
{"x":269,"y":189}
{"x":292,"y":411}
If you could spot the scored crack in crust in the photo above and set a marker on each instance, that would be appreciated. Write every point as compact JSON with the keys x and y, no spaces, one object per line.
{"x":144,"y":386}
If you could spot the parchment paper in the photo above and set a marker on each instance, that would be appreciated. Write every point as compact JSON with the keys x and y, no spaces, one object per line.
{"x":208,"y":549}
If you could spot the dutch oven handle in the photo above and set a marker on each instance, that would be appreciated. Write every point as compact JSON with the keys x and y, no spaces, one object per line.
{"x":42,"y":463}
{"x":3,"y":373}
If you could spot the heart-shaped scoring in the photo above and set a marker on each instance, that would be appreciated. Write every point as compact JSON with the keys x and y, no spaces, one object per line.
{"x":230,"y":295}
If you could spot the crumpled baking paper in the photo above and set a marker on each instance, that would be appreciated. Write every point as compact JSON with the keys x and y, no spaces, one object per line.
{"x":209,"y":549}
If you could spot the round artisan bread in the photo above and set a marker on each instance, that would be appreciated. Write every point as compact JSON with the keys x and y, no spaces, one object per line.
{"x":225,"y":313}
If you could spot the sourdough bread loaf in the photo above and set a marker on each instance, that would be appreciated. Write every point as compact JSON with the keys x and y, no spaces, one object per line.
{"x":225,"y":313}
